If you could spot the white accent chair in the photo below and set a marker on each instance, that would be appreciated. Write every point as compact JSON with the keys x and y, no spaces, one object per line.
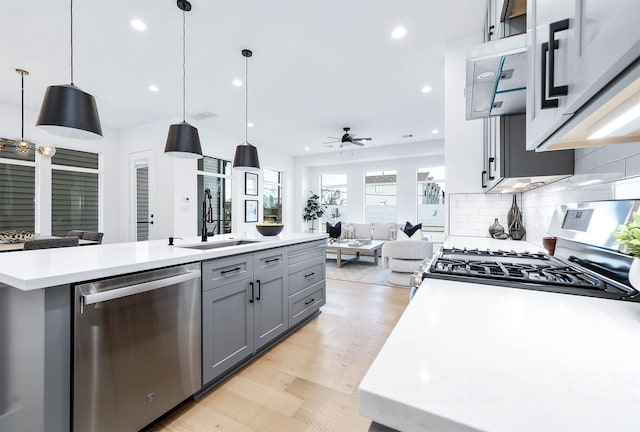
{"x":404,"y":257}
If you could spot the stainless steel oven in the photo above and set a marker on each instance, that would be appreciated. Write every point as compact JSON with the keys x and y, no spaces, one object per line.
{"x":137,"y":350}
{"x":586,"y":261}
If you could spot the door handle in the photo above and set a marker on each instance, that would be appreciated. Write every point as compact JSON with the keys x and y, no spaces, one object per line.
{"x":546,"y":51}
{"x":491,"y":161}
{"x":554,"y":28}
{"x":252,"y":293}
{"x":259,"y":289}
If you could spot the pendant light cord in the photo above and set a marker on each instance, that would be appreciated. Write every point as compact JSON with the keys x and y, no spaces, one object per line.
{"x":71,"y":42}
{"x":184,"y":67}
{"x":22,"y":127}
{"x":246,"y":100}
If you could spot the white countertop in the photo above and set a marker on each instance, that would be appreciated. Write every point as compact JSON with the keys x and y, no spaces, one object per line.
{"x":35,"y":269}
{"x":471,"y":357}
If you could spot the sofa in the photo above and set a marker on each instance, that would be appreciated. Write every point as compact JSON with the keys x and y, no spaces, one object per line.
{"x":404,"y":257}
{"x":373,"y":231}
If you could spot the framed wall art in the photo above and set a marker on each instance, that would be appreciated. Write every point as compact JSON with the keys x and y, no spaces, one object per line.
{"x":251,"y":211}
{"x":250,"y":184}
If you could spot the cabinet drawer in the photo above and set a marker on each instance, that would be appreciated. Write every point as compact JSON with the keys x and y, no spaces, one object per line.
{"x":306,"y":302}
{"x":219,"y":272}
{"x":305,"y":274}
{"x":270,"y":259}
{"x":307,"y":251}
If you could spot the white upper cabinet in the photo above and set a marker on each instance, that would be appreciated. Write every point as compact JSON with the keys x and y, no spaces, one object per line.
{"x":549,"y":66}
{"x":576,"y":48}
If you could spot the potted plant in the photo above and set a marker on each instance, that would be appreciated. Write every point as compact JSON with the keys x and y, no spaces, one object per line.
{"x":313,"y":210}
{"x":628,"y":235}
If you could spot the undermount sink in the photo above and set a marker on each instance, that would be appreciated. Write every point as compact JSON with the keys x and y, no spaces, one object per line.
{"x":219,"y":244}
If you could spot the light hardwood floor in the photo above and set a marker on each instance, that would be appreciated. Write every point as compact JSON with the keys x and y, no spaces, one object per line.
{"x":309,"y":381}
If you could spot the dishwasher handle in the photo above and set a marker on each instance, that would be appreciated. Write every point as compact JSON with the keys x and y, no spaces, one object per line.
{"x":117,"y":293}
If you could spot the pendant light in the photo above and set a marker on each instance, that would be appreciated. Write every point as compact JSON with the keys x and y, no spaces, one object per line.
{"x":22,"y":146}
{"x":183,"y":140}
{"x":246,"y":155}
{"x":68,"y":111}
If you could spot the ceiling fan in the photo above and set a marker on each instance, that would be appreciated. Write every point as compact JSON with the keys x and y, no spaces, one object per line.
{"x":347,"y":138}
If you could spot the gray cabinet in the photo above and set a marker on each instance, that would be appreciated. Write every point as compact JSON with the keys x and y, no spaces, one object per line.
{"x":245,"y":306}
{"x":307,"y":285}
{"x":270,"y":302}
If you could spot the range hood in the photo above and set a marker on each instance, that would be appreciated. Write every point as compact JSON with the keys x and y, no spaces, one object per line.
{"x":496,"y":80}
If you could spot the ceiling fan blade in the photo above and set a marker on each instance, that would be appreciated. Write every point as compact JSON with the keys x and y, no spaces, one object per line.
{"x":363,"y":139}
{"x":334,"y":137}
{"x":331,"y":142}
{"x":357,"y":143}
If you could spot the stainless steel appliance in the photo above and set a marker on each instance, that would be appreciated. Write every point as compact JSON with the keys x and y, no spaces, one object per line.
{"x":585,"y":261}
{"x":137,"y":347}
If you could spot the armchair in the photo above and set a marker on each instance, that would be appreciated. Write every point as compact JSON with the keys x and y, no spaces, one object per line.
{"x":404,"y":257}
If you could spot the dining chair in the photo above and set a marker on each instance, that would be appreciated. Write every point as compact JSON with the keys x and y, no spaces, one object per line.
{"x":93,"y":236}
{"x":75,"y":233}
{"x":51,"y":243}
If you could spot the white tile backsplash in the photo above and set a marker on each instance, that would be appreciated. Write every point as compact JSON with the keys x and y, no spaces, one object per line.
{"x":616,"y":168}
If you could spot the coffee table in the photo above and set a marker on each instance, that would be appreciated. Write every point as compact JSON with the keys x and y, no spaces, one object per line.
{"x":353,"y":247}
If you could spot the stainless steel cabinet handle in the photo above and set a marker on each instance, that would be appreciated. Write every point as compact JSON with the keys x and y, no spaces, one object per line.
{"x":117,"y":293}
{"x":484,"y":174}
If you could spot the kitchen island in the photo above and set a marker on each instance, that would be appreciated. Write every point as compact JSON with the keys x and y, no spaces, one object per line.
{"x":476,"y":357}
{"x":37,"y":308}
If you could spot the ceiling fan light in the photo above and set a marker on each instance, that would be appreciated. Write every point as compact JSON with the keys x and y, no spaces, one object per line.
{"x":69,"y":112}
{"x":183,"y":141}
{"x":246,"y":156}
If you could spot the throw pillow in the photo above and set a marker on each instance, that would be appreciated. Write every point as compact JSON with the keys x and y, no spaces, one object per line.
{"x":348,"y":231}
{"x":334,"y":230}
{"x":411,"y":229}
{"x":416,"y":236}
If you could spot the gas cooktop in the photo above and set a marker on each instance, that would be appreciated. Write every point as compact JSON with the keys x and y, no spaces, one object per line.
{"x":528,"y":270}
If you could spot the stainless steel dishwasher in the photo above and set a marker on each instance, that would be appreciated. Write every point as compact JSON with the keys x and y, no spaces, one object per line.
{"x":137,"y":347}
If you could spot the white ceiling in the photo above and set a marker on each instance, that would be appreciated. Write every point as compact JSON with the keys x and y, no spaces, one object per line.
{"x":318,"y":65}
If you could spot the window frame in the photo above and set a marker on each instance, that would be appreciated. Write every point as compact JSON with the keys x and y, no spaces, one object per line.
{"x":280,"y":188}
{"x":228,"y":193}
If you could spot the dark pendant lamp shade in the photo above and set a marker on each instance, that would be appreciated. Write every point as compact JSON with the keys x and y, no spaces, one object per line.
{"x":183,"y":141}
{"x":69,"y":112}
{"x":246,"y":157}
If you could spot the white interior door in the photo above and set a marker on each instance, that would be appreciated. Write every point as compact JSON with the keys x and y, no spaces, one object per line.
{"x":142,"y":199}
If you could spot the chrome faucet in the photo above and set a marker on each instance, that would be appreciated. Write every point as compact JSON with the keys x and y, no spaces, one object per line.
{"x":207,"y":213}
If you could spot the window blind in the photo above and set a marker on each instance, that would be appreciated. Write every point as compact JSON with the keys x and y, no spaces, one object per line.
{"x":17,"y":195}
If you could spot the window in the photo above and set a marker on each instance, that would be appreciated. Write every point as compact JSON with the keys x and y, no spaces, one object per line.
{"x":380,"y":196}
{"x":333,"y":194}
{"x":430,"y":197}
{"x":215,"y":174}
{"x":74,"y":191}
{"x":17,"y":188}
{"x":272,"y":196}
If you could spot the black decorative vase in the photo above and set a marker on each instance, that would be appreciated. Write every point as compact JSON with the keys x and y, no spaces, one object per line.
{"x":495,"y":229}
{"x":514,"y":221}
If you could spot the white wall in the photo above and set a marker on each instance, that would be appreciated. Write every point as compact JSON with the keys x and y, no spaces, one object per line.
{"x":176,"y":179}
{"x":108,"y":148}
{"x":310,"y":168}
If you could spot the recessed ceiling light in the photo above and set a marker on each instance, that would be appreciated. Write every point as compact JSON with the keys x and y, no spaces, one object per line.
{"x":153,"y":88}
{"x":138,"y":24}
{"x":307,"y":148}
{"x":237,"y":83}
{"x":434,"y":131}
{"x":250,"y":124}
{"x":426,"y":89}
{"x":485,"y":75}
{"x":399,"y":32}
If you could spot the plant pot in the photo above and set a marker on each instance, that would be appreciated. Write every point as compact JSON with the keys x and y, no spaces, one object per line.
{"x":634,"y":273}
